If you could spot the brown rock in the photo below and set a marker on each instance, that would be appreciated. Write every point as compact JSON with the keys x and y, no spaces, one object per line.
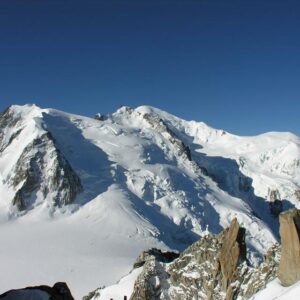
{"x":229,"y":293}
{"x":289,"y":266}
{"x":233,"y":249}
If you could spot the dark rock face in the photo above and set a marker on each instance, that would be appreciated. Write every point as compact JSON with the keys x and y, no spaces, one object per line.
{"x":213,"y":268}
{"x":59,"y":291}
{"x":289,"y":267}
{"x":8,"y":120}
{"x":165,"y":257}
{"x":41,"y":169}
{"x":33,"y":174}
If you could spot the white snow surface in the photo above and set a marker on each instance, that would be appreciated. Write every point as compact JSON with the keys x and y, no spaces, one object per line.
{"x":275,"y":291}
{"x":138,"y":192}
{"x":122,"y":288}
{"x":94,"y":246}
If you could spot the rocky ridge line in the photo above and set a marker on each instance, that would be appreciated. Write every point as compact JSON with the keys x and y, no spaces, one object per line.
{"x":41,"y":169}
{"x":213,"y":268}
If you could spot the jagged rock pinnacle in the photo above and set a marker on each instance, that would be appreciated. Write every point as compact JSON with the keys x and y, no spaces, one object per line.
{"x":289,"y":267}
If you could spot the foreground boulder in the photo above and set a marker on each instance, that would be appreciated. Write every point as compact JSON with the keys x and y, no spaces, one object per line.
{"x":59,"y":291}
{"x":289,"y":267}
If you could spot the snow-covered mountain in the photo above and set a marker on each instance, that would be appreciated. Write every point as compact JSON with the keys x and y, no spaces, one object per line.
{"x":81,"y":197}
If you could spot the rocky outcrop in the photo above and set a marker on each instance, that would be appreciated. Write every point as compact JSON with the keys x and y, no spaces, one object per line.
{"x":275,"y":202}
{"x":159,"y":125}
{"x":149,"y":283}
{"x":159,"y":255}
{"x":248,"y":281}
{"x":233,"y":250}
{"x":99,"y":117}
{"x":8,"y":120}
{"x":289,"y":267}
{"x":213,"y":268}
{"x":59,"y":291}
{"x":209,"y":265}
{"x":43,"y":169}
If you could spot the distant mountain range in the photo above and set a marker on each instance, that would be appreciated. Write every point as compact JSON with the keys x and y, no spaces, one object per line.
{"x":102,"y":189}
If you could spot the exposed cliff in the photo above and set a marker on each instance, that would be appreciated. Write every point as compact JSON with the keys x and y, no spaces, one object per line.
{"x":289,"y":267}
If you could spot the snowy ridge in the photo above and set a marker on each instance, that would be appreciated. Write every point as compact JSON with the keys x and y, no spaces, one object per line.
{"x":139,"y":175}
{"x":36,"y":172}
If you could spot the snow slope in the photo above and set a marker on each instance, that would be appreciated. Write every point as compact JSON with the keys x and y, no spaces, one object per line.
{"x":275,"y":291}
{"x":139,"y":178}
{"x":123,"y":288}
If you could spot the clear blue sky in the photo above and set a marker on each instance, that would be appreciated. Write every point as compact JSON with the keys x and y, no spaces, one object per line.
{"x":232,"y":64}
